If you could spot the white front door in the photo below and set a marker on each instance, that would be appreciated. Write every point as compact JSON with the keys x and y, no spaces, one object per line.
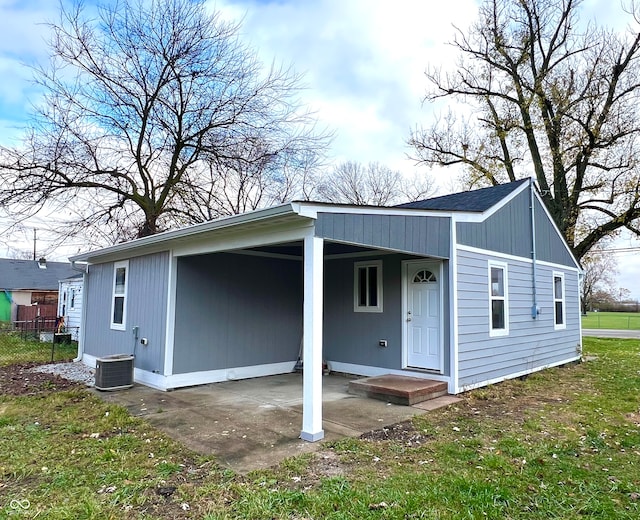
{"x":424,"y":315}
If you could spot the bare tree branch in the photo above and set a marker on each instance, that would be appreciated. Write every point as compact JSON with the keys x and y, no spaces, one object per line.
{"x":155,"y":112}
{"x":552,"y":99}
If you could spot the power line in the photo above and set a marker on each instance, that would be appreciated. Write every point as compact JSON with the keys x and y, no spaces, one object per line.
{"x":616,"y":250}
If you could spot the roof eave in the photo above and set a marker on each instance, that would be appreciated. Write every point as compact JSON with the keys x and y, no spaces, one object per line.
{"x":188,"y":232}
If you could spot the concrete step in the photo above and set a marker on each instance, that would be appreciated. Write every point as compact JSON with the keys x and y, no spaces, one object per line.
{"x":398,"y":389}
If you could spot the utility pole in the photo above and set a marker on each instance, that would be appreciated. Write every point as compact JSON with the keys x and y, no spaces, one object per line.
{"x":34,"y":244}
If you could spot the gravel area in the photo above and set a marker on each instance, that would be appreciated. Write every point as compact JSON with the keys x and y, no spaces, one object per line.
{"x":77,"y":371}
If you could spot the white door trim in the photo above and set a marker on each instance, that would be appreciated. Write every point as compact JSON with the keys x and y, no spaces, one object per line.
{"x":403,"y":317}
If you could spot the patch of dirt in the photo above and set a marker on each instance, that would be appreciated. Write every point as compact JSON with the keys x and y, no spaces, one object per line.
{"x":403,"y":432}
{"x":327,"y":463}
{"x":633,"y":417}
{"x":323,"y":464}
{"x":20,"y":380}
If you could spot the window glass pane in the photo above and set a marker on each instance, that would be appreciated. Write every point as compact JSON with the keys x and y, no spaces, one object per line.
{"x":120,"y":280}
{"x":497,"y":281}
{"x":373,"y":286}
{"x":118,"y":309}
{"x":497,"y":314}
{"x":362,"y":286}
{"x":557,"y":287}
{"x":559,"y":314}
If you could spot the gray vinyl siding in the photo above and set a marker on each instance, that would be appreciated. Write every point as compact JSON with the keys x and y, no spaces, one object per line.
{"x":146,"y":309}
{"x":550,"y":247}
{"x":531,"y":344}
{"x":508,"y":231}
{"x":234,"y":310}
{"x":352,"y":337}
{"x":424,"y":235}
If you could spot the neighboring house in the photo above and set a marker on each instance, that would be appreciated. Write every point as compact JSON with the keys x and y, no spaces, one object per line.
{"x":471,"y":288}
{"x":30,"y":282}
{"x":70,"y":304}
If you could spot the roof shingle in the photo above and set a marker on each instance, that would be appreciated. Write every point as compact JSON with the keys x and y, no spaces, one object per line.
{"x":475,"y":201}
{"x":25,"y":274}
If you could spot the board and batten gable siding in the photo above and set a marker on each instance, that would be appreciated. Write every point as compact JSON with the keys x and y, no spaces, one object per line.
{"x":424,"y":235}
{"x":146,"y":309}
{"x":508,"y":231}
{"x":235,"y":310}
{"x":531,"y":344}
{"x":550,"y":247}
{"x":353,"y":337}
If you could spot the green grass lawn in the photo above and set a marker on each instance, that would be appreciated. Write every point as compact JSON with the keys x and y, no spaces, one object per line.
{"x":611,"y":320}
{"x":15,"y":349}
{"x":562,"y":443}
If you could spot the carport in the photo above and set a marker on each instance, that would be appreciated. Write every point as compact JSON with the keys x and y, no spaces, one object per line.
{"x":196,"y":330}
{"x":255,"y":423}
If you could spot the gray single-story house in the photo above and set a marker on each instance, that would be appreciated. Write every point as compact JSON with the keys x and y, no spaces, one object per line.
{"x":29,"y":283}
{"x":470,"y":288}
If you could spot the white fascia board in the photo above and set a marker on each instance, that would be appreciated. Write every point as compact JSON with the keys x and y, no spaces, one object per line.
{"x":311,"y":210}
{"x":243,"y":238}
{"x":160,"y":242}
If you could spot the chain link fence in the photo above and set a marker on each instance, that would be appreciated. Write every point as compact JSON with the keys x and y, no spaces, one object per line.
{"x":37,"y":341}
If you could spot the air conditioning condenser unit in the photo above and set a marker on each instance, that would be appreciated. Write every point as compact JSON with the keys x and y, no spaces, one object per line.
{"x":114,"y":372}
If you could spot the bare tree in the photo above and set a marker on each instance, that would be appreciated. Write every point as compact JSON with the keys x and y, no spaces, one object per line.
{"x":548,"y":97}
{"x":374,"y":184}
{"x":149,"y":110}
{"x":599,"y":276}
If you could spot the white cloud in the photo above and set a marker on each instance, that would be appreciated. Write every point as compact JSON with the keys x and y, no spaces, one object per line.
{"x":363,"y":61}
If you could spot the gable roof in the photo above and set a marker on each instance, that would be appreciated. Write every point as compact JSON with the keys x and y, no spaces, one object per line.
{"x":475,"y":201}
{"x":26,"y":274}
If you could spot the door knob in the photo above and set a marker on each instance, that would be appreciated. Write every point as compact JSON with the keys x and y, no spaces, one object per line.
{"x":409,"y":316}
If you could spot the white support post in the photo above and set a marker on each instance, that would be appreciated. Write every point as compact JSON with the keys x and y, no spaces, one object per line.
{"x":312,"y":340}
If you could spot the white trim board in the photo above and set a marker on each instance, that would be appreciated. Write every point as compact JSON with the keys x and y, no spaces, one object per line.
{"x":453,"y":307}
{"x":169,"y":333}
{"x":497,"y":254}
{"x":487,"y":382}
{"x":161,"y":382}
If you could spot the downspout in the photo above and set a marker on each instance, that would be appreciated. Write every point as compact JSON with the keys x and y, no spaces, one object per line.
{"x":535,"y":310}
{"x":84,"y":269}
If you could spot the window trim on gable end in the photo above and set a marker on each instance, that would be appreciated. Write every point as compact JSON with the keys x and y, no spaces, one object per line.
{"x":562,"y":300}
{"x":357,"y":305}
{"x":496,"y":332}
{"x":114,"y":294}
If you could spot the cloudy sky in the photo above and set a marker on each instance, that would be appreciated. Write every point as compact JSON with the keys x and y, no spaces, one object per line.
{"x":363,"y":63}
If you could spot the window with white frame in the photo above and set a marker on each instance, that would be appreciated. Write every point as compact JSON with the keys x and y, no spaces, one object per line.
{"x":558,"y":301}
{"x":498,"y":299}
{"x":367,"y":285}
{"x":119,"y":299}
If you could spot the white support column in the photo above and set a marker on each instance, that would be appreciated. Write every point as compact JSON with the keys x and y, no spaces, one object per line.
{"x":312,"y":340}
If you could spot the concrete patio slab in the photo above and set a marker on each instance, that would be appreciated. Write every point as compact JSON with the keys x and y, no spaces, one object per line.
{"x":255,"y":423}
